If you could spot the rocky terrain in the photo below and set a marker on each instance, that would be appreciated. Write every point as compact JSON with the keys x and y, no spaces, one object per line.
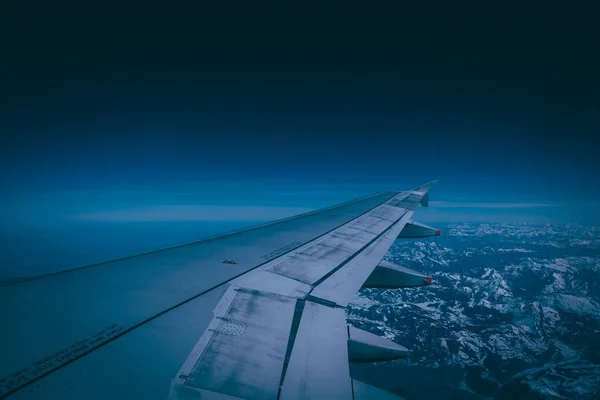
{"x":514,"y":313}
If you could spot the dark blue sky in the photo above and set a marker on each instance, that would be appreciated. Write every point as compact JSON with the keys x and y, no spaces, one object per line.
{"x":136,"y":104}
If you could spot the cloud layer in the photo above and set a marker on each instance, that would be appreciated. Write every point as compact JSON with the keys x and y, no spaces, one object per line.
{"x":195,"y":213}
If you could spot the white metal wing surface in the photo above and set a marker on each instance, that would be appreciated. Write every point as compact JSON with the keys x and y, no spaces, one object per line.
{"x":256,"y":314}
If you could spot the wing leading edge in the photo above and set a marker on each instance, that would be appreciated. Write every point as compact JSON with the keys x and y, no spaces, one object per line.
{"x":270,"y":326}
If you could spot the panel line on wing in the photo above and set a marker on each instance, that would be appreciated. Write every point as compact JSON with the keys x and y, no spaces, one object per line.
{"x":313,"y":261}
{"x":334,"y":247}
{"x":334,"y":270}
{"x":293,"y":333}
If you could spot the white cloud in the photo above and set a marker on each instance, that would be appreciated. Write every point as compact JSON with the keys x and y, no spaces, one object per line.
{"x":466,"y":204}
{"x":195,"y":213}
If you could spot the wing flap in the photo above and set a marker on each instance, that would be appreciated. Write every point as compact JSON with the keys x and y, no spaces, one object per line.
{"x":247,"y":340}
{"x":318,"y":367}
{"x":363,"y":391}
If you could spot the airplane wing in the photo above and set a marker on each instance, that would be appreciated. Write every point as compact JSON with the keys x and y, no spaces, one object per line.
{"x":254,"y":314}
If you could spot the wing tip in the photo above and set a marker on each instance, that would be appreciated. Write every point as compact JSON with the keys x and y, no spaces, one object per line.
{"x":426,"y":186}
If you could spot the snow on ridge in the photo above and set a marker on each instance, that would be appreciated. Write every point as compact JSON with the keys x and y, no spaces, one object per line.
{"x":550,"y":315}
{"x":561,"y":232}
{"x":444,"y":343}
{"x":581,"y":242}
{"x":557,"y":285}
{"x":430,"y":312}
{"x":494,"y":283}
{"x":559,"y":264}
{"x":569,"y":265}
{"x":456,"y":315}
{"x":424,"y":253}
{"x":515,"y":250}
{"x":550,"y":243}
{"x":425,"y":306}
{"x":577,"y":305}
{"x":471,"y":350}
{"x":363,"y":302}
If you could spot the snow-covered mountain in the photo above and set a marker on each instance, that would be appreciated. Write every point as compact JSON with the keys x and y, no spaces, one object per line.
{"x":514,"y":312}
